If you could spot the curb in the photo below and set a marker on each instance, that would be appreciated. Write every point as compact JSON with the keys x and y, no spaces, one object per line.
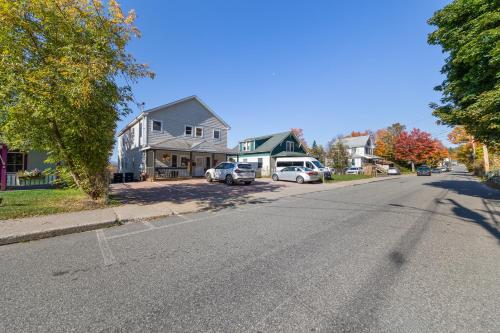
{"x":11,"y":239}
{"x":26,"y":237}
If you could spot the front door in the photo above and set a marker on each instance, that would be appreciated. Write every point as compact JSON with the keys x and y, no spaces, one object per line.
{"x":199,"y":169}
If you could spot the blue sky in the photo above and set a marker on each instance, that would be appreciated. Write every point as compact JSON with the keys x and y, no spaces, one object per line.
{"x":328,"y":67}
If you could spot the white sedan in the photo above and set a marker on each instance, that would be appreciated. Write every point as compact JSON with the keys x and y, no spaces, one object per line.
{"x":354,"y":171}
{"x":393,"y":171}
{"x":297,"y":174}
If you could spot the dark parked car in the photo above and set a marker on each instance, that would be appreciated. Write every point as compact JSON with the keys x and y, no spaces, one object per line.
{"x":423,"y":171}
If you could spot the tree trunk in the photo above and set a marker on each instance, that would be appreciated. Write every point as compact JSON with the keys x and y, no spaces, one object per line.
{"x":486,"y":159}
{"x":412,"y":167}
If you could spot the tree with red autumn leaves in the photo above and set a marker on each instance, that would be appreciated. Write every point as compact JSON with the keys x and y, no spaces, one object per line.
{"x":299,"y":134}
{"x":418,"y":147}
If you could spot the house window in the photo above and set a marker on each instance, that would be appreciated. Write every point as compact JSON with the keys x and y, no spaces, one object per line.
{"x":259,"y":163}
{"x":290,"y":145}
{"x":199,"y":132}
{"x":217,"y":134}
{"x":188,"y":130}
{"x":246,"y":146}
{"x":157,"y":126}
{"x":184,"y":161}
{"x":140,"y":132}
{"x":15,"y":161}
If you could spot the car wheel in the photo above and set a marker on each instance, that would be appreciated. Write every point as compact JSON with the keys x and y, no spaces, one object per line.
{"x":248,"y":183}
{"x":300,"y":180}
{"x":275,"y":177}
{"x":229,"y":180}
{"x":208,"y":177}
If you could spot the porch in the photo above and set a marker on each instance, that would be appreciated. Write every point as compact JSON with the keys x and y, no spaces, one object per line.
{"x":162,"y":164}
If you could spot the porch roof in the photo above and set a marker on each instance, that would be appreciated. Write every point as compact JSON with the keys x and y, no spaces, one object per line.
{"x":190,"y":146}
{"x":289,"y":154}
{"x":366,"y":156}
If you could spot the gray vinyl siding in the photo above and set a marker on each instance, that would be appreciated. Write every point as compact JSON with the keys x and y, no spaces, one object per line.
{"x":175,"y":117}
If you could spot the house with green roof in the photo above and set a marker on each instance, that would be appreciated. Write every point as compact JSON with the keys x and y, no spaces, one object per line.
{"x":263,"y":150}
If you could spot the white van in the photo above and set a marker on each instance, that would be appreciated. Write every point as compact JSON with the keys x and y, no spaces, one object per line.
{"x":305,"y":162}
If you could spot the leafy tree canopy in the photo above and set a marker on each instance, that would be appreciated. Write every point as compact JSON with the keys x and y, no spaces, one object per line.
{"x":417,"y":147}
{"x":62,"y":68}
{"x":469,"y":32}
{"x":386,"y":140}
{"x":338,"y":155}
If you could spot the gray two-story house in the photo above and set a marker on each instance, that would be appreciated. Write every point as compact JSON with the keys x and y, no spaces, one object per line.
{"x":180,"y":139}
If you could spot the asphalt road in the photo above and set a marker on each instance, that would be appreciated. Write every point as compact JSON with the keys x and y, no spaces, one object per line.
{"x":414,"y":254}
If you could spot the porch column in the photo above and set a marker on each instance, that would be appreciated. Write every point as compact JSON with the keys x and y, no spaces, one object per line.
{"x":3,"y":169}
{"x":154,"y":164}
{"x":212,"y":161}
{"x":190,"y":164}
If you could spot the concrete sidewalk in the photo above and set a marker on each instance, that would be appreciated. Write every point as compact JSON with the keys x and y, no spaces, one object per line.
{"x":32,"y":228}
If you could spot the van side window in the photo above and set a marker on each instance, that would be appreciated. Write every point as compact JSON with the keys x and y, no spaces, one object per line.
{"x":283,"y":164}
{"x":309,"y":165}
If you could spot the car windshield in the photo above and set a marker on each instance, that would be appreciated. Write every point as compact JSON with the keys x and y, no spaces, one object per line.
{"x":423,"y":168}
{"x":318,"y":164}
{"x":244,"y":166}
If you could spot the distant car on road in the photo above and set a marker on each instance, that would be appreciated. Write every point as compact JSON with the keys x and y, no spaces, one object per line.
{"x":231,"y":173}
{"x":436,"y":170}
{"x":354,"y":171}
{"x":297,"y":174}
{"x":424,"y":171}
{"x":393,"y":171}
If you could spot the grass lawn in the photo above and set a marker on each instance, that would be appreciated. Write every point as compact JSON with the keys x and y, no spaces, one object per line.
{"x":343,"y":178}
{"x":23,"y":203}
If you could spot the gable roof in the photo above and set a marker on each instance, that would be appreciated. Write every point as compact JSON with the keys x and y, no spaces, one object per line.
{"x":355,"y":141}
{"x":164,"y":106}
{"x":272,"y":141}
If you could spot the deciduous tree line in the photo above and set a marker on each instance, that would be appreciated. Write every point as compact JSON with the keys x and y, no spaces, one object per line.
{"x":393,"y":144}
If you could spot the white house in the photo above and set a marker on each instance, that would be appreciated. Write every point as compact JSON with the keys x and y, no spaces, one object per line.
{"x":360,"y":149}
{"x":179,"y":139}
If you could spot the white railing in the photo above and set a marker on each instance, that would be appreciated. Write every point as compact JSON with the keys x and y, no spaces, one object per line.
{"x":167,"y":172}
{"x":14,"y":181}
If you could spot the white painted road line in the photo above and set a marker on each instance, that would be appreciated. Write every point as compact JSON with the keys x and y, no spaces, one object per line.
{"x":107,"y":254}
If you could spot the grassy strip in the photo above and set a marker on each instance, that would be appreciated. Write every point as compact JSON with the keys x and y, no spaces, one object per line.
{"x":24,"y":203}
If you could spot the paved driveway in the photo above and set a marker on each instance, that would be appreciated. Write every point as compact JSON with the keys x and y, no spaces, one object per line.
{"x":213,"y":195}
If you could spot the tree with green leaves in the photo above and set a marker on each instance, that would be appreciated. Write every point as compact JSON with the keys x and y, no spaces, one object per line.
{"x":469,"y":32}
{"x":338,"y":155}
{"x":65,"y":80}
{"x":317,"y":151}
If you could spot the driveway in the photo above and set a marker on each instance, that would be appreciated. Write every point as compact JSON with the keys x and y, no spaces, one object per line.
{"x":197,"y":190}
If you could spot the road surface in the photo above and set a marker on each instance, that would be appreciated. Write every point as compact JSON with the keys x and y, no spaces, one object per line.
{"x":413,"y":254}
